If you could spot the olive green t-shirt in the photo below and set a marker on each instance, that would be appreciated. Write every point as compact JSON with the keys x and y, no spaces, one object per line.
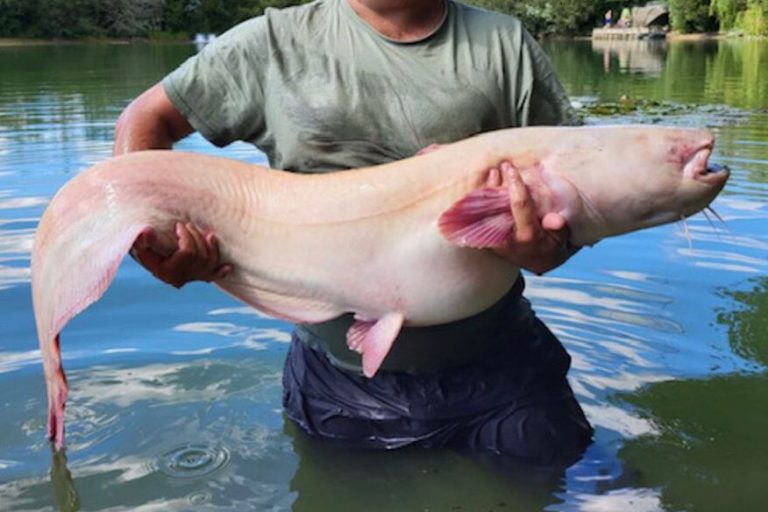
{"x":317,"y":89}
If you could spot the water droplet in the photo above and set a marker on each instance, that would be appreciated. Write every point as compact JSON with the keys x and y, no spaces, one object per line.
{"x":193,"y":461}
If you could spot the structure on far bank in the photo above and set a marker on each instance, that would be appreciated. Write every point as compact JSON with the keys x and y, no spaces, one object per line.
{"x":649,"y":21}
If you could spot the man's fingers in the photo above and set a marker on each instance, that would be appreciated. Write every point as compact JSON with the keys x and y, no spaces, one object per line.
{"x":178,"y":268}
{"x":215,"y":256}
{"x":192,"y":249}
{"x":555,"y":224}
{"x":523,"y":212}
{"x":185,"y":242}
{"x":538,"y":245}
{"x":200,"y":244}
{"x":212,"y":245}
{"x":196,"y":257}
{"x":494,"y":178}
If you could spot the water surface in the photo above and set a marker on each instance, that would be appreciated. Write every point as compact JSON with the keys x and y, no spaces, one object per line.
{"x":175,"y":395}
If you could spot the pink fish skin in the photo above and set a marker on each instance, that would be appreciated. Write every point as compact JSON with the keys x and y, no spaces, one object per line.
{"x":402,"y":243}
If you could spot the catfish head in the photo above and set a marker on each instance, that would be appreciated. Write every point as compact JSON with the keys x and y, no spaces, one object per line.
{"x":611,"y":180}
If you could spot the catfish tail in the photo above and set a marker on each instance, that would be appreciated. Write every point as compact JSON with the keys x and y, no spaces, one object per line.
{"x":79,"y":245}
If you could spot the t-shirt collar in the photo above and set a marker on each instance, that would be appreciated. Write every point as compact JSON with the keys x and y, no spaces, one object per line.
{"x":350,"y":13}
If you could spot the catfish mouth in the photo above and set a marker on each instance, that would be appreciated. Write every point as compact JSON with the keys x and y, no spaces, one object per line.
{"x":698,"y":167}
{"x":711,"y":176}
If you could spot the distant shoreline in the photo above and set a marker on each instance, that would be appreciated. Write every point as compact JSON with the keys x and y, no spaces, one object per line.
{"x":10,"y":41}
{"x":700,"y":36}
{"x":23,"y":42}
{"x":713,"y":36}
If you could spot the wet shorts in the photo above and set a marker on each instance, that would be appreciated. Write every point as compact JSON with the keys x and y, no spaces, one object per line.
{"x":516,"y":402}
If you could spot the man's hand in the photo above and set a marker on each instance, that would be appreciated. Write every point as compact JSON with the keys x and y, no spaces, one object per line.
{"x":151,"y":121}
{"x":538,"y":245}
{"x":196,"y":257}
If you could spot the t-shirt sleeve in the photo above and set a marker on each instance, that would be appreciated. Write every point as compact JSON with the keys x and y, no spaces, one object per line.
{"x":543,"y":100}
{"x":220,"y":90}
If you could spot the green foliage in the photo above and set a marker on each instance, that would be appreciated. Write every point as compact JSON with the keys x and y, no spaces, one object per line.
{"x":754,"y":20}
{"x":571,"y":16}
{"x":556,"y":16}
{"x":748,"y":16}
{"x":533,"y":12}
{"x":15,"y":16}
{"x":140,"y":18}
{"x":691,"y":16}
{"x":68,"y":18}
{"x":125,"y":18}
{"x":727,"y":11}
{"x":216,"y":16}
{"x":130,"y":18}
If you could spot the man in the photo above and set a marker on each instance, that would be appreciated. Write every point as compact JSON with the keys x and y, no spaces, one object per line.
{"x":339,"y":84}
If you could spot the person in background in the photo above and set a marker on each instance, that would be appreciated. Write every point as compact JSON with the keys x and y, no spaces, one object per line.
{"x":340,"y":84}
{"x":608,"y":18}
{"x":625,"y":20}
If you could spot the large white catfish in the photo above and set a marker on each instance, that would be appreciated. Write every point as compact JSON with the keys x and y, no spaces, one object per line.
{"x":402,"y":243}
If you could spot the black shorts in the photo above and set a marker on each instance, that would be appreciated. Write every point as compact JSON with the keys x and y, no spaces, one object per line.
{"x":516,"y":403}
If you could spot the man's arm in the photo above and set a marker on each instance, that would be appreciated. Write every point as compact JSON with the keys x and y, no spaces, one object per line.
{"x":151,"y":121}
{"x":538,"y":245}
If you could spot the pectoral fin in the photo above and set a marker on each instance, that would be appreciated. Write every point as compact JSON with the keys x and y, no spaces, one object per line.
{"x":480,"y":219}
{"x":373,"y":340}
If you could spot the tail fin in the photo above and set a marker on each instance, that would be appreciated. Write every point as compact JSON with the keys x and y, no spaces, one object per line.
{"x":74,"y":260}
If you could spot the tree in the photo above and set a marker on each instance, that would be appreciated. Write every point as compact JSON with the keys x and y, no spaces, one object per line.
{"x":727,"y":11}
{"x":556,"y":16}
{"x":750,"y":16}
{"x":691,"y":16}
{"x":132,"y":18}
{"x":67,"y":19}
{"x":138,"y":18}
{"x":16,"y":17}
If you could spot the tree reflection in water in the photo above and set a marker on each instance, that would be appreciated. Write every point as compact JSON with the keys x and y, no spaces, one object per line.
{"x":711,"y":452}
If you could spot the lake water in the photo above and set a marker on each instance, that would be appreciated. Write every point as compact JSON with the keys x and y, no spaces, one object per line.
{"x":175,"y":395}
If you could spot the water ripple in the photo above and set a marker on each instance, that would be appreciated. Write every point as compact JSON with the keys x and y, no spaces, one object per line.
{"x":193,"y":461}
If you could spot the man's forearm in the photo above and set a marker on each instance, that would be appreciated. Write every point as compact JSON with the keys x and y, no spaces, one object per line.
{"x":136,"y":131}
{"x":149,"y":122}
